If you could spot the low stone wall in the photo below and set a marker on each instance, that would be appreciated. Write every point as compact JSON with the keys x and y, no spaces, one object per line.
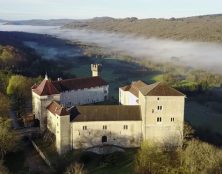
{"x":106,"y":149}
{"x":41,"y":154}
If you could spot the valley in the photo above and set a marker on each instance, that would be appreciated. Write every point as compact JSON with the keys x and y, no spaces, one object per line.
{"x":118,"y":71}
{"x":68,"y":59}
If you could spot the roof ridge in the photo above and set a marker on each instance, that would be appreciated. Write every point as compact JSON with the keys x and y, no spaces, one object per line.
{"x":75,"y":79}
{"x":160,"y":89}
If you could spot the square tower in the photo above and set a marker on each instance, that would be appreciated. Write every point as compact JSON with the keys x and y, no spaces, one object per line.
{"x":96,"y":69}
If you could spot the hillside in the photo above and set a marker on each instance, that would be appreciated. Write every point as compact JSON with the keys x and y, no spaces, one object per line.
{"x":198,"y":28}
{"x":40,"y":22}
{"x":11,"y":56}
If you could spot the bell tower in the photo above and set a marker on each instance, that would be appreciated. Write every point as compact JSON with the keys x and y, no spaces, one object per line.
{"x":96,"y":69}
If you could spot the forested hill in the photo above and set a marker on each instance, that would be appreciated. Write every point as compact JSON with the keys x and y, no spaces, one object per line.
{"x":11,"y":55}
{"x":198,"y":28}
{"x":41,"y":22}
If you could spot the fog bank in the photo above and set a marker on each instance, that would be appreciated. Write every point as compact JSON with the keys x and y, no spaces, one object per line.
{"x":207,"y":56}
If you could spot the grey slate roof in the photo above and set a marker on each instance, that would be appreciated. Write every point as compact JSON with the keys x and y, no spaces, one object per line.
{"x":160,"y":89}
{"x":105,"y":113}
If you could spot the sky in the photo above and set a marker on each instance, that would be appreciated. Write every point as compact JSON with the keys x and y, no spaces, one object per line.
{"x":82,"y":9}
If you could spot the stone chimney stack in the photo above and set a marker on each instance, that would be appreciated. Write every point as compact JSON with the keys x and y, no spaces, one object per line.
{"x":96,"y":69}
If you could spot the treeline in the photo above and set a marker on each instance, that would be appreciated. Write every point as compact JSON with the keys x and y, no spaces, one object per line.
{"x":20,"y":68}
{"x":8,"y":139}
{"x":195,"y":156}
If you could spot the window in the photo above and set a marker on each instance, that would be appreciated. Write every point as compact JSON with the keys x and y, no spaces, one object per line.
{"x":172,"y":119}
{"x":125,"y":127}
{"x":84,"y":127}
{"x":159,"y":119}
{"x":104,"y":139}
{"x":104,"y":127}
{"x":158,"y":98}
{"x":159,"y":107}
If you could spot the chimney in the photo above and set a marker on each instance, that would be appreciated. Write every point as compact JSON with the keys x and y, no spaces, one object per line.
{"x":96,"y":69}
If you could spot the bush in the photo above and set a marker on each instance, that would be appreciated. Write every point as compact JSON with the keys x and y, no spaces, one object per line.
{"x":76,"y":168}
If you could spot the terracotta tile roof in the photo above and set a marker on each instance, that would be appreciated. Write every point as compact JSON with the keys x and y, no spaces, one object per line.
{"x":160,"y":89}
{"x":56,"y":108}
{"x":134,"y":87}
{"x":34,"y":86}
{"x":48,"y":87}
{"x":79,"y":83}
{"x":105,"y":113}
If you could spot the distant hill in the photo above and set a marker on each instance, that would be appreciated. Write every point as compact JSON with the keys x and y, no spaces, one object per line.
{"x":3,"y":21}
{"x":41,"y":22}
{"x":197,"y":28}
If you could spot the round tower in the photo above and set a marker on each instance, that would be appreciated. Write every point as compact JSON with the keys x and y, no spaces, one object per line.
{"x":96,"y":69}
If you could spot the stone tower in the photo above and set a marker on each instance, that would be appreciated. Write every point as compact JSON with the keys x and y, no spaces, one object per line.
{"x":162,"y":109}
{"x":96,"y":69}
{"x":42,"y":95}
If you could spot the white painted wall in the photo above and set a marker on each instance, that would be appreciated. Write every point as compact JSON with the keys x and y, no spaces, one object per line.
{"x":165,"y":131}
{"x":63,"y":134}
{"x":52,"y":122}
{"x":127,"y":98}
{"x":84,"y":96}
{"x":116,"y":134}
{"x":39,"y":104}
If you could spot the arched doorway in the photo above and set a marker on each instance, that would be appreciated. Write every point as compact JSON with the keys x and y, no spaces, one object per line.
{"x":104,"y":139}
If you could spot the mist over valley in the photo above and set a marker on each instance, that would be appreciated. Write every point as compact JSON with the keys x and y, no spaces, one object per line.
{"x":200,"y":55}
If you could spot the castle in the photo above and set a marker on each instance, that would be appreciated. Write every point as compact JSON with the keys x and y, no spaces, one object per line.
{"x":146,"y":112}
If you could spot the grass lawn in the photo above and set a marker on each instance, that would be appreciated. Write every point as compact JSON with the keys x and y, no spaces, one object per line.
{"x":157,"y":78}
